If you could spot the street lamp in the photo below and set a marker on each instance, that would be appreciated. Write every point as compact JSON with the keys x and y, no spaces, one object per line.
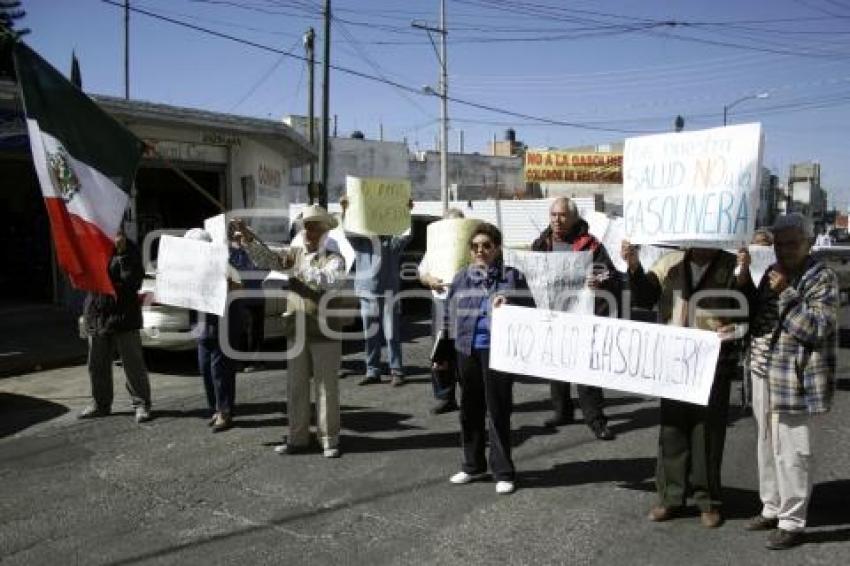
{"x":729,"y":106}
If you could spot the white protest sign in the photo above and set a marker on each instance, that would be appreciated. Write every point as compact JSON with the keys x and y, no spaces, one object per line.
{"x":192,"y":274}
{"x":648,"y":359}
{"x":761,"y":257}
{"x":377,"y":207}
{"x":557,"y":279}
{"x":613,"y":241}
{"x":597,"y":223}
{"x":216,"y":226}
{"x":694,"y":188}
{"x":448,"y":246}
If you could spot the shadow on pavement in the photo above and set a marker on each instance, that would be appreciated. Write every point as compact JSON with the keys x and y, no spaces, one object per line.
{"x":626,"y":470}
{"x":830,"y":505}
{"x":21,"y":412}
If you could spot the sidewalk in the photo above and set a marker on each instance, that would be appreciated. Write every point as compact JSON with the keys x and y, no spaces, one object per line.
{"x":35,"y":337}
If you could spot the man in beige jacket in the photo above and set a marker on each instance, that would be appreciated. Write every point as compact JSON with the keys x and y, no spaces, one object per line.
{"x":313,"y":271}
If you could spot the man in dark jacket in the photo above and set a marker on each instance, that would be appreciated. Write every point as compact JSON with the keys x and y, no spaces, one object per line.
{"x":567,"y":231}
{"x":113,"y":322}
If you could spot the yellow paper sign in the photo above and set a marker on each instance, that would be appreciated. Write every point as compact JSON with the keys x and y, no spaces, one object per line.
{"x":377,"y":207}
{"x":448,"y":246}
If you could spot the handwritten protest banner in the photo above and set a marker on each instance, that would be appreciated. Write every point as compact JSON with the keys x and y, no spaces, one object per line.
{"x":192,"y":274}
{"x":572,"y":167}
{"x":695,"y":188}
{"x":448,"y":246}
{"x":377,"y":207}
{"x":648,"y":359}
{"x":557,"y":279}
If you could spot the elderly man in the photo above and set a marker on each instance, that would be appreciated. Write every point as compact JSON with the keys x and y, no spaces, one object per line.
{"x":314,"y":271}
{"x":691,"y":437}
{"x":567,"y":231}
{"x":792,"y":363}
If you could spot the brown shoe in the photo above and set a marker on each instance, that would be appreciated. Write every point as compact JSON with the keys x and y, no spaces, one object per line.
{"x":711,"y":519}
{"x":780,"y":539}
{"x":660,"y":513}
{"x":761,"y":523}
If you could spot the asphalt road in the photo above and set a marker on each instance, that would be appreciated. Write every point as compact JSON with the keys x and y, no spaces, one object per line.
{"x":170,"y":492}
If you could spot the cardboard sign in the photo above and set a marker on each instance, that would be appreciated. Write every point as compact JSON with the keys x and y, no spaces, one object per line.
{"x":448,"y":246}
{"x":557,"y":279}
{"x":648,"y":359}
{"x":377,"y":207}
{"x":192,"y":274}
{"x":692,"y":188}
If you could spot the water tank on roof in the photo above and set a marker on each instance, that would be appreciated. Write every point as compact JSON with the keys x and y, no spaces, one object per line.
{"x":357,"y":135}
{"x":510,"y":135}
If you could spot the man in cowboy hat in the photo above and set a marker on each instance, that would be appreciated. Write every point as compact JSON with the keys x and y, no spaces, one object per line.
{"x":314,"y":271}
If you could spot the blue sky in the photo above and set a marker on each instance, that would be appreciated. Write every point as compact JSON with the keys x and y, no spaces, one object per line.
{"x":609,"y":65}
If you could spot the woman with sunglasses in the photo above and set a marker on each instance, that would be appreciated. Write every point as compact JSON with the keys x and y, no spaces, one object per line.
{"x":485,"y":394}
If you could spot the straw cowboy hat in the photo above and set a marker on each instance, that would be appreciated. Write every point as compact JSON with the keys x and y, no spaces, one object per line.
{"x":316,"y":213}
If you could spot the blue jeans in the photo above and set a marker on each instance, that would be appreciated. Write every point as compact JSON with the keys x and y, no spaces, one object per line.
{"x":219,"y":373}
{"x":385,"y":327}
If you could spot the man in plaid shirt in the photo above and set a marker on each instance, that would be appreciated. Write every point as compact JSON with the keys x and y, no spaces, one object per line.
{"x":793,"y":349}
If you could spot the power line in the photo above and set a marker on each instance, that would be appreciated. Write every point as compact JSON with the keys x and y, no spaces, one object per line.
{"x":366,"y":76}
{"x":264,"y":77}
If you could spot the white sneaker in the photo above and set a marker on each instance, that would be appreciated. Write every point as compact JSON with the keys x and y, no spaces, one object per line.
{"x":463,"y":477}
{"x":504,"y":487}
{"x":143,"y":415}
{"x":331,"y":453}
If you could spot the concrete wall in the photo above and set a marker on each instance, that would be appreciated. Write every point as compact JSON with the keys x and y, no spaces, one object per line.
{"x":477,"y":176}
{"x":360,"y":158}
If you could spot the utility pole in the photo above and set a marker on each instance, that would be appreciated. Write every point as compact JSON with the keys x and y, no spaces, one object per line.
{"x":444,"y":112}
{"x":326,"y":84}
{"x":443,"y":93}
{"x":309,"y":44}
{"x":126,"y":49}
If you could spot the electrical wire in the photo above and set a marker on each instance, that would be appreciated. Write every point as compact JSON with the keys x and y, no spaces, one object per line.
{"x":367,"y":76}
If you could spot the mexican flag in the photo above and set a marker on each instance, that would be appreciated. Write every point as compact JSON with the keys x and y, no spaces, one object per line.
{"x":85,"y":161}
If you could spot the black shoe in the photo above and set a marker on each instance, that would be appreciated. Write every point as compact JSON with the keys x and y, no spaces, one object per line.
{"x":444,"y":406}
{"x":761,"y":523}
{"x":781,"y":539}
{"x":370,"y":380}
{"x":93,"y":412}
{"x":558,"y":420}
{"x":602,"y":431}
